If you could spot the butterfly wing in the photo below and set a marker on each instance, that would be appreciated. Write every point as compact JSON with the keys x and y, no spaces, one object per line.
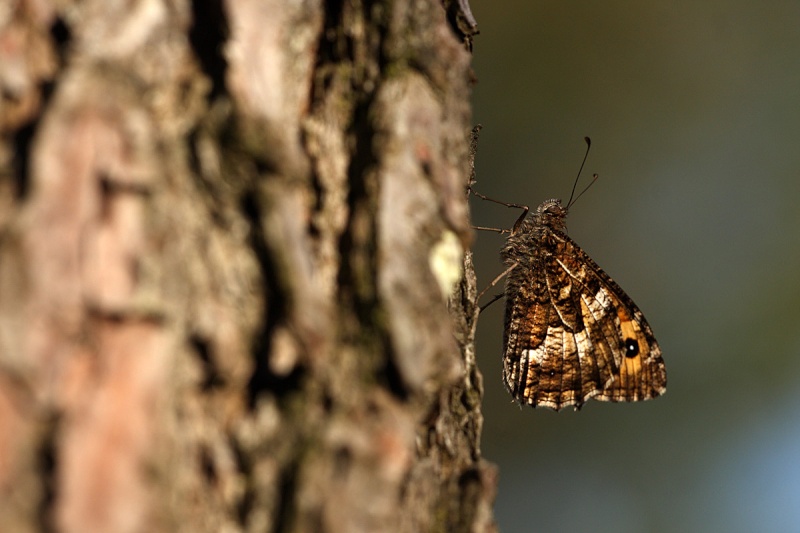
{"x":573,"y":334}
{"x":537,"y":367}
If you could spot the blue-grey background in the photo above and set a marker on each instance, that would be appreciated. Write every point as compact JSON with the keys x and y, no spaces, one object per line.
{"x":694,"y":112}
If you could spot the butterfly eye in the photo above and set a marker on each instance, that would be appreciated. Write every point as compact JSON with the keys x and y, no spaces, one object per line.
{"x":631,"y":348}
{"x":554,"y":208}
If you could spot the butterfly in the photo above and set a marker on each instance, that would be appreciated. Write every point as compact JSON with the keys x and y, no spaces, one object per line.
{"x":571,"y":333}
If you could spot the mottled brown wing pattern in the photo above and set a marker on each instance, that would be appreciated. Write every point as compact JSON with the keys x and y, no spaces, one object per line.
{"x":571,"y":332}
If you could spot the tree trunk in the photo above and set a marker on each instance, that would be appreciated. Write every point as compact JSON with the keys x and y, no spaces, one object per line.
{"x":231,"y":290}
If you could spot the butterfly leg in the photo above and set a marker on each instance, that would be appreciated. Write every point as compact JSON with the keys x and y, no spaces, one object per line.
{"x":494,"y":282}
{"x":493,"y":300}
{"x":497,"y":230}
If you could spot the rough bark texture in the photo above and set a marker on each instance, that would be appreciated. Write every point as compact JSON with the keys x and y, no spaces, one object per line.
{"x":230,"y":234}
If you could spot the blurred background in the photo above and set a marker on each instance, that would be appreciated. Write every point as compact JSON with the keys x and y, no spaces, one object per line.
{"x":694,"y":113}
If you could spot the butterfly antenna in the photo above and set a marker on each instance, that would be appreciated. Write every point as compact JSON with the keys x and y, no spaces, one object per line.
{"x":594,"y":178}
{"x":578,"y":177}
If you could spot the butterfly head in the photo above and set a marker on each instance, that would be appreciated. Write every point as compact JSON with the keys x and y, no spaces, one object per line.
{"x":550,"y":214}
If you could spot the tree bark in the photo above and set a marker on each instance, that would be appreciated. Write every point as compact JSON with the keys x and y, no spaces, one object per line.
{"x":234,"y":292}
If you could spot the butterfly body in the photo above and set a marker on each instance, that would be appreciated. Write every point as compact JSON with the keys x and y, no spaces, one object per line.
{"x":571,"y":333}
